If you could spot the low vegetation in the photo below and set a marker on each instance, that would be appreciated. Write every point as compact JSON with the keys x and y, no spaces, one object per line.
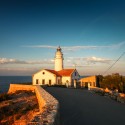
{"x":17,"y":106}
{"x":4,"y":96}
{"x":62,"y":86}
{"x":55,"y":85}
{"x":113,"y":82}
{"x":25,"y":83}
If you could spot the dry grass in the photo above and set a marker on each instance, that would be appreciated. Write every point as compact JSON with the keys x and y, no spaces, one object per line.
{"x":17,"y":107}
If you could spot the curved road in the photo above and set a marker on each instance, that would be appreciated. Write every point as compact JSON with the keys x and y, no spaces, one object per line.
{"x":81,"y":107}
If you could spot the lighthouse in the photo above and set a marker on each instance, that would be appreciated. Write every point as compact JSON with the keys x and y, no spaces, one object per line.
{"x":59,"y":75}
{"x":58,"y":59}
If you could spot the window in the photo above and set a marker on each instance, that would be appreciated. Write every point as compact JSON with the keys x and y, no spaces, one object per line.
{"x":37,"y":81}
{"x":75,"y":73}
{"x":67,"y":81}
{"x":43,"y":73}
{"x":43,"y":81}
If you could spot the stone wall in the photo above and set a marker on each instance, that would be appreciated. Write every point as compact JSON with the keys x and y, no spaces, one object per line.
{"x":95,"y":88}
{"x":120,"y":97}
{"x":48,"y":105}
{"x":15,"y":87}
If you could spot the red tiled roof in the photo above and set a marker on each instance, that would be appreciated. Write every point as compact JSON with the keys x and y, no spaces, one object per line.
{"x":64,"y":72}
{"x":53,"y":71}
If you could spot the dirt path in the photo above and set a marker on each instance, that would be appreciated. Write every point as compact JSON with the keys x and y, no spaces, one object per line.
{"x":81,"y":107}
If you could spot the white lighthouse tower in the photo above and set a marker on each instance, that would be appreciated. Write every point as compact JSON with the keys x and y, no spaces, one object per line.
{"x":58,"y":59}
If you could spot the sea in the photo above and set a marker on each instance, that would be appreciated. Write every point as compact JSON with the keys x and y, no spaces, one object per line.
{"x":5,"y":81}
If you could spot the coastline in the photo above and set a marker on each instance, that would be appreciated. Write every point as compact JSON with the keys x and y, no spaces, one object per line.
{"x":5,"y":81}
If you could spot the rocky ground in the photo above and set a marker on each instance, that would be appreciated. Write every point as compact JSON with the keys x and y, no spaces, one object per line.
{"x":19,"y":107}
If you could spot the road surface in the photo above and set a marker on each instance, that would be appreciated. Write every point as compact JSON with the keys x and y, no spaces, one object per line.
{"x":82,"y":107}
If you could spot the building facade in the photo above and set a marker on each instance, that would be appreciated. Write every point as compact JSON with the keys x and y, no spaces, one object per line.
{"x":59,"y":76}
{"x":89,"y":81}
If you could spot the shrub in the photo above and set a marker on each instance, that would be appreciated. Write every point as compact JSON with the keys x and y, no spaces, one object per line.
{"x":3,"y":110}
{"x":62,"y":86}
{"x":29,"y":92}
{"x":100,"y":93}
{"x":25,"y":83}
{"x":18,"y":116}
{"x":4,"y":96}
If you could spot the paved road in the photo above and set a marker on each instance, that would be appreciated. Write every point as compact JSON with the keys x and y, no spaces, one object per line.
{"x":81,"y":107}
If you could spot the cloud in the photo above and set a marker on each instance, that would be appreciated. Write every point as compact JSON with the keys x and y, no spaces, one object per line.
{"x":42,"y":46}
{"x":70,"y":61}
{"x":16,"y":61}
{"x":119,"y":45}
{"x":18,"y":71}
{"x":74,"y":48}
{"x":11,"y":61}
{"x":97,"y":60}
{"x":69,"y":48}
{"x":81,"y":61}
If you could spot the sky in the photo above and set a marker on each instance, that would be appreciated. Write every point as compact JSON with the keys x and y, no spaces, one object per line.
{"x":91,"y":34}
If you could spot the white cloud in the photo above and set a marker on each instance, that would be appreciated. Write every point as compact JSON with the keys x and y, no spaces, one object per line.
{"x":70,"y":61}
{"x":9,"y":61}
{"x":69,"y":48}
{"x":97,"y":60}
{"x":17,"y":71}
{"x":74,"y":48}
{"x":42,"y":46}
{"x":88,"y":61}
{"x":16,"y":61}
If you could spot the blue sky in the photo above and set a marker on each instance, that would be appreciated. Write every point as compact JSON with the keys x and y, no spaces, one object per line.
{"x":90,"y":32}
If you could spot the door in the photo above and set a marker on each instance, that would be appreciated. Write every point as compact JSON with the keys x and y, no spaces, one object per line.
{"x":43,"y":81}
{"x":37,"y":81}
{"x":50,"y":82}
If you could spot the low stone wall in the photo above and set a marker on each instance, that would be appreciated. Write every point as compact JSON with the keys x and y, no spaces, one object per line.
{"x":48,"y":105}
{"x":120,"y":97}
{"x":95,"y":89}
{"x":15,"y":87}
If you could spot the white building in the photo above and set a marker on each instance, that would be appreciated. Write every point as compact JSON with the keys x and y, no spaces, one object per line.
{"x":59,"y":76}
